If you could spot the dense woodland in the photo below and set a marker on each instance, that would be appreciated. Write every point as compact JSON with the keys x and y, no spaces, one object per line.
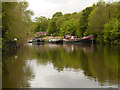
{"x":101,"y":19}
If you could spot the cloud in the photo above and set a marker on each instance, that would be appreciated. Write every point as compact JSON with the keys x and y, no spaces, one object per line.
{"x":57,"y":1}
{"x":48,"y":7}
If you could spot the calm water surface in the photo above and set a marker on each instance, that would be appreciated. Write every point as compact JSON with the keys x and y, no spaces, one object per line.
{"x":61,"y":66}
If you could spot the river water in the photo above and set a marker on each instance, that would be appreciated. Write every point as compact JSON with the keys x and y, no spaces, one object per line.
{"x":61,"y":66}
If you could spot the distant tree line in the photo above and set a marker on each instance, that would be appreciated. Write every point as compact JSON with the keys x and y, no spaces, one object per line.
{"x":102,"y":20}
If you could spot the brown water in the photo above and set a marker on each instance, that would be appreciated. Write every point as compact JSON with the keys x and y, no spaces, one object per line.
{"x":61,"y":66}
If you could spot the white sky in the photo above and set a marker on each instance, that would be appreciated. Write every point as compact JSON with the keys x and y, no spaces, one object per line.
{"x":48,"y":7}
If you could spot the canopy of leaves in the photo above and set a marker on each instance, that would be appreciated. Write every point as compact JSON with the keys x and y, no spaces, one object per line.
{"x":68,"y":27}
{"x":95,"y":20}
{"x":111,"y":32}
{"x":16,"y":21}
{"x":40,"y":24}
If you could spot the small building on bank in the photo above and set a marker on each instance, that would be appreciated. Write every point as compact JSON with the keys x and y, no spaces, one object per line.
{"x":38,"y":34}
{"x":41,"y":33}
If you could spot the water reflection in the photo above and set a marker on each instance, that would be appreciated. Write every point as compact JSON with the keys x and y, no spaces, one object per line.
{"x":74,"y":47}
{"x":16,"y":73}
{"x":64,"y":65}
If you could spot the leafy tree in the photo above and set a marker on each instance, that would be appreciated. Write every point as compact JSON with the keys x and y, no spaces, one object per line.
{"x":57,"y":14}
{"x":83,"y":21}
{"x":68,"y":27}
{"x":16,"y":21}
{"x":101,"y":14}
{"x":40,"y":24}
{"x":67,"y":16}
{"x":111,"y":32}
{"x":52,"y":29}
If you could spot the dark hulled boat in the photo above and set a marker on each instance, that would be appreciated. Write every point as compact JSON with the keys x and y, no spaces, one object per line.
{"x":56,"y":41}
{"x":39,"y":40}
{"x":36,"y":40}
{"x":87,"y":39}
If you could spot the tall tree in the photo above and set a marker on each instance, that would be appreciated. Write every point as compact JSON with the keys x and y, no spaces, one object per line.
{"x":16,"y":21}
{"x":52,"y":29}
{"x":68,"y":27}
{"x":111,"y":32}
{"x":40,"y":24}
{"x":83,"y":21}
{"x":102,"y":13}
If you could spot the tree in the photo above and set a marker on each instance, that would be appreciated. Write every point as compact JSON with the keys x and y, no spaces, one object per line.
{"x":68,"y":27}
{"x":16,"y":21}
{"x":57,"y":14}
{"x":52,"y":29}
{"x":111,"y":32}
{"x":83,"y":21}
{"x":40,"y":24}
{"x":101,"y":14}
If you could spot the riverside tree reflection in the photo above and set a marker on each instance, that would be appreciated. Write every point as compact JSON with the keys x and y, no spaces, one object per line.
{"x":97,"y":62}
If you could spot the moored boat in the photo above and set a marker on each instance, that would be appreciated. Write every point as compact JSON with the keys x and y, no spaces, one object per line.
{"x":87,"y":39}
{"x":56,"y":41}
{"x":36,"y":40}
{"x":30,"y":41}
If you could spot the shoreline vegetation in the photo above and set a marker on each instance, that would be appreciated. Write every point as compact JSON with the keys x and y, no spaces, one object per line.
{"x":101,"y":19}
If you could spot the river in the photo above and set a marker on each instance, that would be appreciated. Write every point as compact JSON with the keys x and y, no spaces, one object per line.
{"x":61,"y":66}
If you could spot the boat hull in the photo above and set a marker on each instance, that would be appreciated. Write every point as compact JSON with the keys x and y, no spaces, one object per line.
{"x":29,"y":41}
{"x":38,"y":43}
{"x":78,"y":41}
{"x":56,"y":42}
{"x":38,"y":40}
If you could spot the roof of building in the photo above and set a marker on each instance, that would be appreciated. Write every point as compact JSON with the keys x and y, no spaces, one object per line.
{"x":39,"y":33}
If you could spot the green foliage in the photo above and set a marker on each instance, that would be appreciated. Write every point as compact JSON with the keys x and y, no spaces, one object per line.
{"x":52,"y":28}
{"x":40,"y":24}
{"x":94,"y":20}
{"x":91,"y":20}
{"x":102,"y":13}
{"x":99,"y":16}
{"x":83,"y":22}
{"x":111,"y":32}
{"x":57,"y":14}
{"x":68,"y":27}
{"x":67,"y":16}
{"x":16,"y":21}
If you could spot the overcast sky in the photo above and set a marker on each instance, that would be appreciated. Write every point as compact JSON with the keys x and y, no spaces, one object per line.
{"x":48,"y":7}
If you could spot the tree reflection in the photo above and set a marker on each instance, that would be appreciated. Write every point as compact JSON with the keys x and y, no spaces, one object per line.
{"x":97,"y":62}
{"x":16,"y":72}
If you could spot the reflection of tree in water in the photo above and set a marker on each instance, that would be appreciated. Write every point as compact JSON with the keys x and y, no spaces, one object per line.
{"x":16,"y":72}
{"x":96,"y":62}
{"x":74,"y":47}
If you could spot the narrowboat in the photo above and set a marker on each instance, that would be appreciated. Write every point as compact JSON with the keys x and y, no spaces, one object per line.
{"x":72,"y":39}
